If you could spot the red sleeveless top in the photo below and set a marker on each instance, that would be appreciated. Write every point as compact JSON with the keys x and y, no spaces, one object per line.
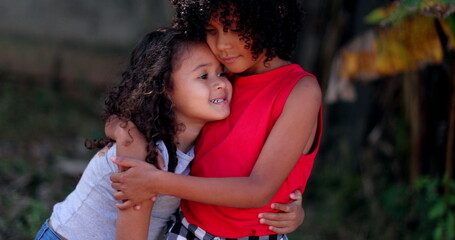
{"x":229,"y":148}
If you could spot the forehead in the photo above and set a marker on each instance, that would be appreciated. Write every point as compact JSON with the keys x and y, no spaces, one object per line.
{"x":191,"y":54}
{"x":223,"y":17}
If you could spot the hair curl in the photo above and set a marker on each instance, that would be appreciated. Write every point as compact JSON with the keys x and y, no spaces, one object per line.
{"x":265,"y":25}
{"x":142,"y":94}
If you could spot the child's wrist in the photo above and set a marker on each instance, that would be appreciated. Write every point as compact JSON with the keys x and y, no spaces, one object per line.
{"x":158,"y":182}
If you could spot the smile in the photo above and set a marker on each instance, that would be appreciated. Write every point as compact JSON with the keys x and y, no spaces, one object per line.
{"x":218,"y":100}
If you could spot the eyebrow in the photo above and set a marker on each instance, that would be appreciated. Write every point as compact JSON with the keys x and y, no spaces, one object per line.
{"x":201,"y":66}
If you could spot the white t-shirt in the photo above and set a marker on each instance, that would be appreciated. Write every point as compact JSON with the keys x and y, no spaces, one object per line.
{"x":89,"y":211}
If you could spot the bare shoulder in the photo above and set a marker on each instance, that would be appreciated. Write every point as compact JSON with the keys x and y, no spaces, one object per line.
{"x":307,"y":90}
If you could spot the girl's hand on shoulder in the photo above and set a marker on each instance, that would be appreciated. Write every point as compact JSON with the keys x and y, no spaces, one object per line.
{"x":135,"y":184}
{"x":119,"y":130}
{"x":289,"y":218}
{"x":112,"y":123}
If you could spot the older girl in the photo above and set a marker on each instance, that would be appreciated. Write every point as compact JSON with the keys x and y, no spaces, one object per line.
{"x":266,"y":148}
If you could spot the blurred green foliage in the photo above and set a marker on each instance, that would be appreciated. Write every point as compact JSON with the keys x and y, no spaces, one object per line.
{"x":395,"y":12}
{"x":40,"y":125}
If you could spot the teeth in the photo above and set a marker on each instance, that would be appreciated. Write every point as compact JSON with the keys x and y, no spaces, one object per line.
{"x":217,"y":100}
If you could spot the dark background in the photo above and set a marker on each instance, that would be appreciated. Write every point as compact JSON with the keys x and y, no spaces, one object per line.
{"x":380,"y":171}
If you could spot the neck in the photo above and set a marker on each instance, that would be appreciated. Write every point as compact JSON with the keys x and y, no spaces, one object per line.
{"x":265,"y":67}
{"x":187,"y":136}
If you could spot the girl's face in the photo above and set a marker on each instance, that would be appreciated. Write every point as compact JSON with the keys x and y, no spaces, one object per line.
{"x":230,"y":50}
{"x":201,"y":91}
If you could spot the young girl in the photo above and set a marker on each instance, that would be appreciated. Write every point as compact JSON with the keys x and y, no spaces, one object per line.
{"x":171,"y":88}
{"x":265,"y":149}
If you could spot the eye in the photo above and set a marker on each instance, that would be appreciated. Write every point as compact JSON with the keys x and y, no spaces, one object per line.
{"x":210,"y":31}
{"x":235,"y":30}
{"x":203,"y":76}
{"x":223,"y":74}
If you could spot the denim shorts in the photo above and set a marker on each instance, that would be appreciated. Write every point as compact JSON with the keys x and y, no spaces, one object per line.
{"x":47,"y":233}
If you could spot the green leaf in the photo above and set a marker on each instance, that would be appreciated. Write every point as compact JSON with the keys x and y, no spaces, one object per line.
{"x":437,"y":210}
{"x":411,"y":4}
{"x":437,"y":234}
{"x":450,"y":225}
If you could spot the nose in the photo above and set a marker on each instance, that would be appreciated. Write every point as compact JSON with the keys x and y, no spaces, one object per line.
{"x":223,"y":41}
{"x":219,"y":83}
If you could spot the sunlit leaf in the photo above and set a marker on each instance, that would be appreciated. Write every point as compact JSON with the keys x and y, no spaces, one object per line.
{"x":379,"y":14}
{"x":389,"y":51}
{"x":386,"y":51}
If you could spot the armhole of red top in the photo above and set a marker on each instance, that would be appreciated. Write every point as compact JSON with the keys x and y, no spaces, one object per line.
{"x":317,"y":137}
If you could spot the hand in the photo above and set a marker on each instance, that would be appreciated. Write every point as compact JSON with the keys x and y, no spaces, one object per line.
{"x":289,"y":218}
{"x":112,"y":123}
{"x":119,"y":130}
{"x":133,"y":185}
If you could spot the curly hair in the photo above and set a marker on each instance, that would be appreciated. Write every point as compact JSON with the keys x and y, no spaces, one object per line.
{"x":265,"y":25}
{"x":142,"y":94}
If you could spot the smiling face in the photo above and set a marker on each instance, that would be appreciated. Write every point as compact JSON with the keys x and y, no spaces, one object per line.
{"x":230,"y":50}
{"x":201,"y":91}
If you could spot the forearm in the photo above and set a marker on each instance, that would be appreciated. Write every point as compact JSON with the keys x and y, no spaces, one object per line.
{"x":241,"y":192}
{"x":134,"y":224}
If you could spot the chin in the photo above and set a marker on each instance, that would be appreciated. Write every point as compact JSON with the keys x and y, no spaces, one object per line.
{"x":222,"y":116}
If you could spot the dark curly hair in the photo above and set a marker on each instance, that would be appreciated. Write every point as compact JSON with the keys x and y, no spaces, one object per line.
{"x":265,"y":25}
{"x":142,"y":94}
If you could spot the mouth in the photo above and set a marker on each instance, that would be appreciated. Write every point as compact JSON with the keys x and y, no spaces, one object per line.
{"x":229,"y":59}
{"x":218,"y":100}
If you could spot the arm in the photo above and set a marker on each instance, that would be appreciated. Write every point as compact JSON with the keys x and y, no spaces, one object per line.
{"x":298,"y":122}
{"x":131,"y":223}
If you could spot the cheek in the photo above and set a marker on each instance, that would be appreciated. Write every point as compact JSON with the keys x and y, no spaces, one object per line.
{"x":211,"y":42}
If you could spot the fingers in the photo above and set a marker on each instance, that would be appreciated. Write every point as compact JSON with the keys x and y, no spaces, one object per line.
{"x":291,"y":207}
{"x":125,"y":205}
{"x":297,"y":196}
{"x":283,"y":230}
{"x":116,"y":178}
{"x":274,"y":223}
{"x":289,"y":217}
{"x":278,"y":226}
{"x":282,"y":224}
{"x":280,"y":216}
{"x":124,"y":162}
{"x":120,"y":196}
{"x":287,"y":208}
{"x":117,"y":186}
